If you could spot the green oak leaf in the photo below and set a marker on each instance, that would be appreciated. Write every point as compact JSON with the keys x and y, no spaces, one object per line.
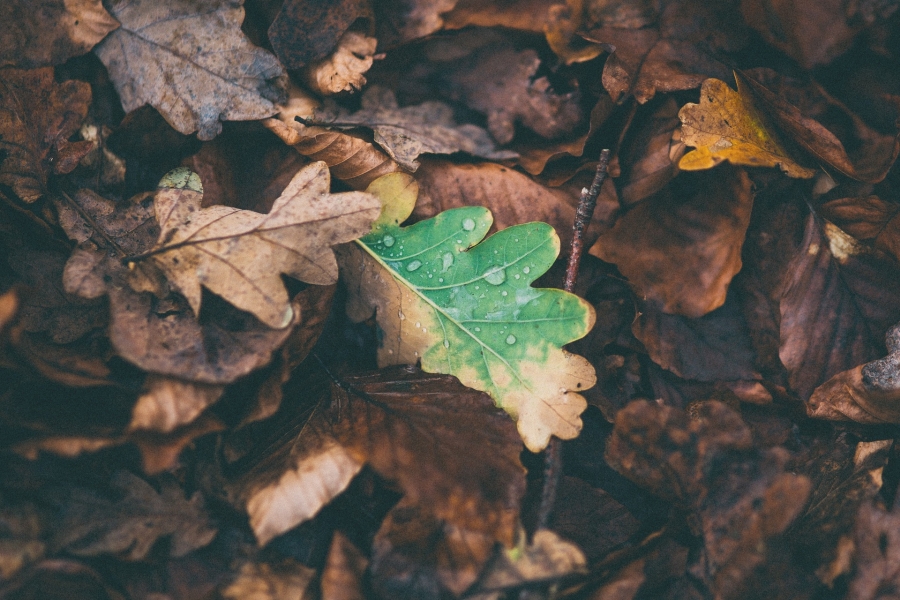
{"x":467,"y":309}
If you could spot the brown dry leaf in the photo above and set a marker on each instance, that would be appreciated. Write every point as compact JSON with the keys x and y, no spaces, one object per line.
{"x":240,"y":255}
{"x":169,"y":403}
{"x":678,"y":53}
{"x":350,"y":159}
{"x":345,"y":568}
{"x":741,"y":499}
{"x":160,"y":335}
{"x":287,"y":580}
{"x":726,"y":125}
{"x":427,"y":128}
{"x":131,"y":519}
{"x":524,"y":15}
{"x":869,"y":393}
{"x":874,"y":157}
{"x":877,"y":562}
{"x":503,"y":83}
{"x":400,"y":21}
{"x":869,"y":219}
{"x":788,"y":25}
{"x":454,"y":455}
{"x":682,"y":246}
{"x":649,"y":159}
{"x":37,"y":117}
{"x":304,"y":32}
{"x":50,"y":32}
{"x":344,"y":69}
{"x":837,"y":301}
{"x":714,"y":347}
{"x":563,"y":22}
{"x":189,"y":60}
{"x":512,"y":197}
{"x":21,"y":543}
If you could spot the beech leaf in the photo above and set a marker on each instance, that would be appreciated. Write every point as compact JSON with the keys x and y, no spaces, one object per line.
{"x":189,"y":60}
{"x":240,"y":254}
{"x":727,"y":126}
{"x":469,"y":310}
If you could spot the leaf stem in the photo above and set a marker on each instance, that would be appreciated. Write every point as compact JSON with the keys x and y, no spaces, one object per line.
{"x":583,"y":215}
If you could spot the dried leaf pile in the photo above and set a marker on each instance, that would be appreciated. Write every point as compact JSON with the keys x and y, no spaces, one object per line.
{"x":280,"y":317}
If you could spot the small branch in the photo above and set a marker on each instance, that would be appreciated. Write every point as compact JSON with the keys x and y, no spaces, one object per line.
{"x":583,"y":215}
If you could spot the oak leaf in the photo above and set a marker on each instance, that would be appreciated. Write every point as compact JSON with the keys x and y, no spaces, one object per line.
{"x":189,"y":60}
{"x":240,"y":255}
{"x":405,"y":133}
{"x":37,"y":117}
{"x":302,"y":33}
{"x":469,"y":310}
{"x":726,"y":125}
{"x":344,"y":70}
{"x":50,"y":32}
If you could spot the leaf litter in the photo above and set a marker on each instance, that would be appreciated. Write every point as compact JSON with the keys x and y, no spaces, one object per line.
{"x":197,"y":401}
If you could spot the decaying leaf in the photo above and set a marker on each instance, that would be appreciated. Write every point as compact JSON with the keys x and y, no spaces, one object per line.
{"x":240,"y":255}
{"x":169,"y":403}
{"x":189,"y":60}
{"x":682,"y":246}
{"x":428,"y":128}
{"x":131,"y":524}
{"x":727,"y":126}
{"x":837,"y":301}
{"x":411,"y":428}
{"x":344,"y":70}
{"x":50,"y":32}
{"x":302,"y":32}
{"x":870,"y":220}
{"x":470,"y":311}
{"x":869,"y":393}
{"x":37,"y":116}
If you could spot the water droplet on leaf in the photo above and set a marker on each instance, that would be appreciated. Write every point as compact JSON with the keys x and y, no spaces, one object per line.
{"x":468,"y":224}
{"x":495,"y":276}
{"x":388,"y":241}
{"x":510,"y":339}
{"x":414,"y":265}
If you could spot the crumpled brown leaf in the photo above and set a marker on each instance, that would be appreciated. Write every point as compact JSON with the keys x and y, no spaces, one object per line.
{"x":427,"y":128}
{"x":869,"y":393}
{"x":455,"y":457}
{"x":682,"y":246}
{"x":286,"y":580}
{"x":834,"y":289}
{"x":344,"y":69}
{"x":504,"y":84}
{"x":401,"y":21}
{"x":50,"y":32}
{"x":168,"y":403}
{"x":649,"y":157}
{"x":873,"y":159}
{"x":741,"y":499}
{"x":240,"y":255}
{"x":303,"y":32}
{"x":37,"y":116}
{"x":869,"y":219}
{"x":130,"y":525}
{"x":189,"y":60}
{"x":877,"y":545}
{"x":676,"y":54}
{"x":344,"y":572}
{"x":21,"y":544}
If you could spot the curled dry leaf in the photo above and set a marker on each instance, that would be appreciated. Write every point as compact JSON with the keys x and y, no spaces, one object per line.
{"x":453,"y":455}
{"x":240,"y":255}
{"x":50,"y":32}
{"x":37,"y":117}
{"x":871,"y":165}
{"x":682,"y":246}
{"x":869,"y":393}
{"x":350,"y":159}
{"x":401,"y":21}
{"x":468,"y":309}
{"x":302,"y":33}
{"x":741,"y":499}
{"x":129,"y":525}
{"x":427,"y":128}
{"x":169,"y":403}
{"x":344,"y":572}
{"x":344,"y":70}
{"x":561,"y":27}
{"x":23,"y":529}
{"x":834,"y":289}
{"x":189,"y":60}
{"x":870,"y":220}
{"x":726,"y":125}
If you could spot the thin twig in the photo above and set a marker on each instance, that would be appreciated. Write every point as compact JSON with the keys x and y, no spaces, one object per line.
{"x":553,"y":454}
